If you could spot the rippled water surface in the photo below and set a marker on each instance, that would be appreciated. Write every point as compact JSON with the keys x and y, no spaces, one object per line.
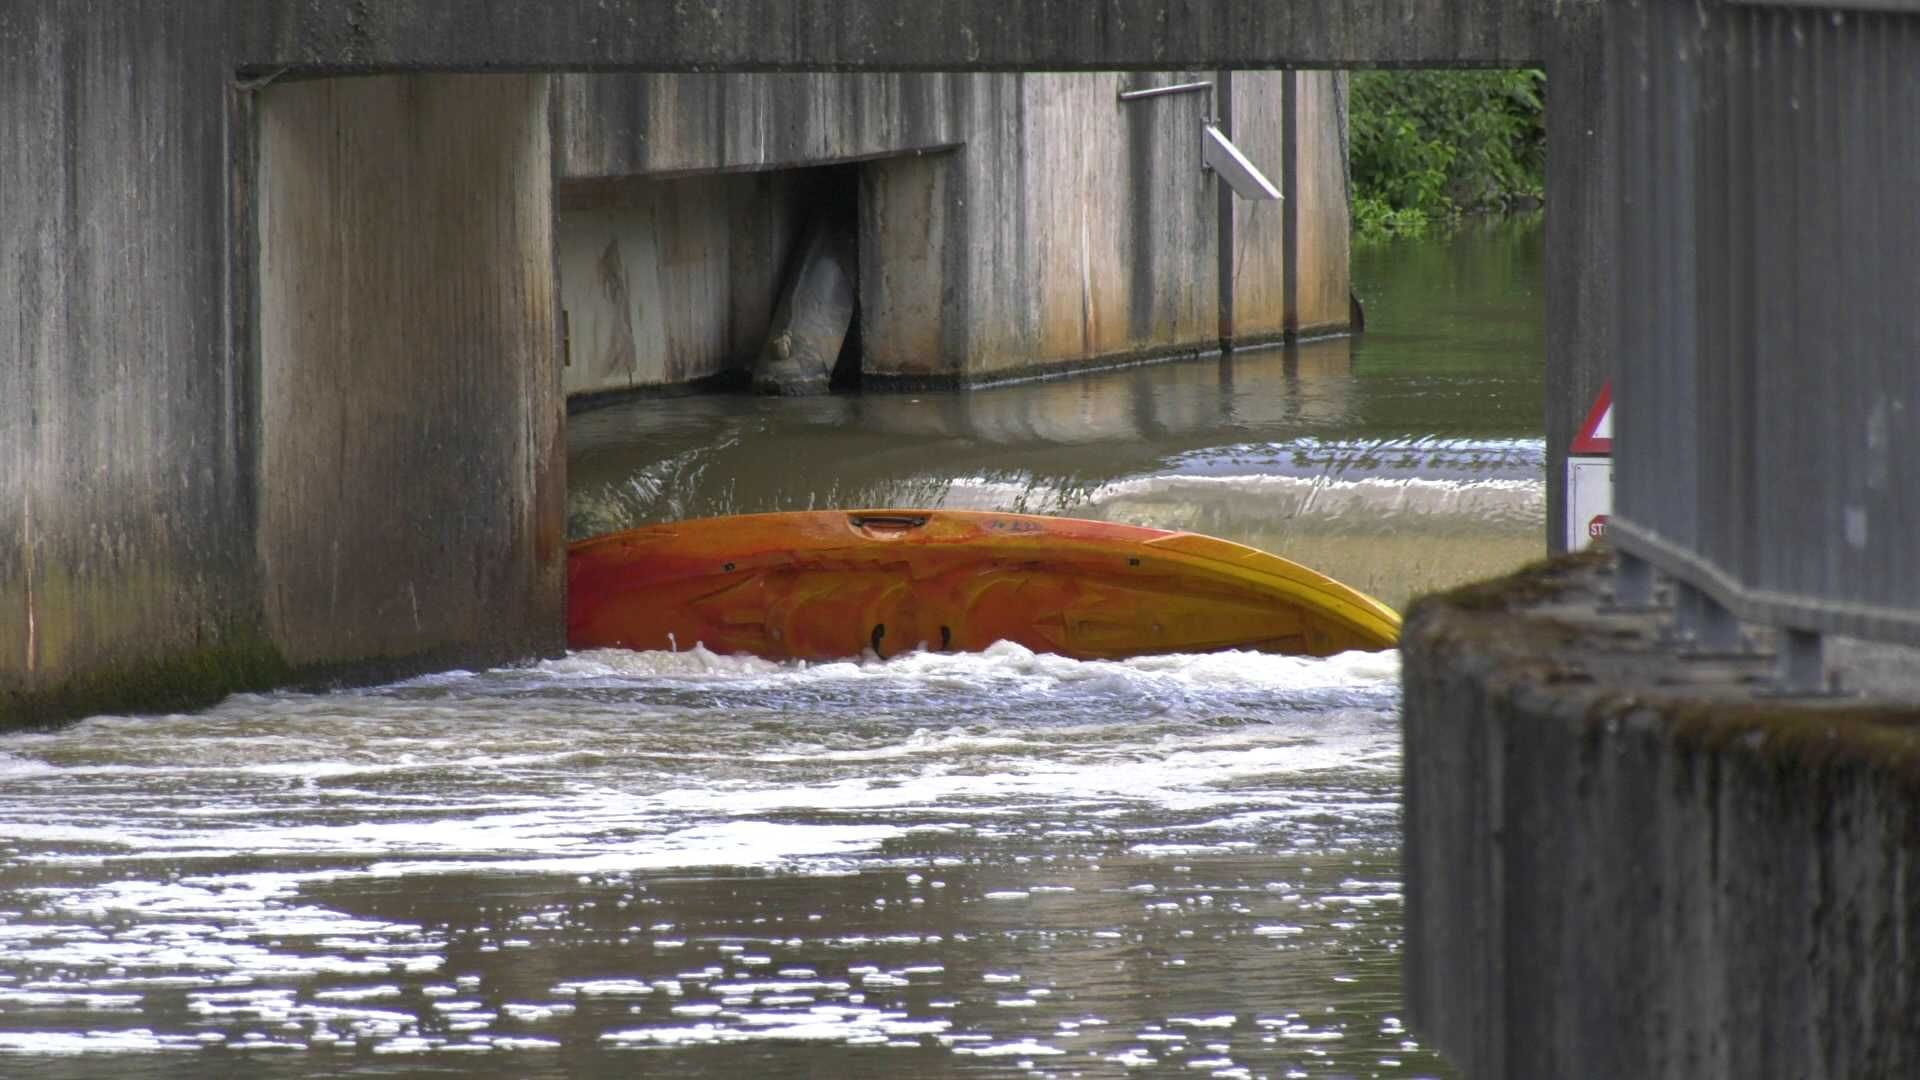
{"x":615,"y":864}
{"x":684,"y":862}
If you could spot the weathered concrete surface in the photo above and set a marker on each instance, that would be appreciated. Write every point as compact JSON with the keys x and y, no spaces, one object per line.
{"x":1070,"y":229}
{"x":130,"y":384}
{"x":1583,"y":215}
{"x":1319,"y":286}
{"x":1098,"y":245}
{"x":1622,"y":863}
{"x":668,"y":282}
{"x":815,"y":312}
{"x":1292,"y":280}
{"x":880,"y":35}
{"x":412,"y":477}
{"x":659,"y":125}
{"x":126,"y":441}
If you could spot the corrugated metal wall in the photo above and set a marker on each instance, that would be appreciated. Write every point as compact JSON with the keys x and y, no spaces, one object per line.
{"x":1768,"y":379}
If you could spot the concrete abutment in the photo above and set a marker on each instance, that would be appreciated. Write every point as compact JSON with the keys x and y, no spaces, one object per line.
{"x":1623,"y":862}
{"x":411,"y":459}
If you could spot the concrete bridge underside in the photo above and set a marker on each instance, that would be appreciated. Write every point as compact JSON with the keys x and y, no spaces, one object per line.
{"x":218,"y":425}
{"x":878,"y":35}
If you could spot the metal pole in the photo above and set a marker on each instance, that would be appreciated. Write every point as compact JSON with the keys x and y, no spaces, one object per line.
{"x":1162,"y":91}
{"x":1801,"y":666}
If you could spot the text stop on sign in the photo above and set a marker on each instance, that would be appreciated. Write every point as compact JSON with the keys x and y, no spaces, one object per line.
{"x":1590,"y":474}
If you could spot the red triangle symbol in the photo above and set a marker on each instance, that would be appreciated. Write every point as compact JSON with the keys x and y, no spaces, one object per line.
{"x":1596,"y":435}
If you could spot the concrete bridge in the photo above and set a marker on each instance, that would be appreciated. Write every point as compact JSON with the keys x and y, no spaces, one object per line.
{"x":1620,"y":862}
{"x":280,"y":394}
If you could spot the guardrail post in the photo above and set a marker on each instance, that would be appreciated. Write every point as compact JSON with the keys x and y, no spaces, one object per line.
{"x":1802,"y":666}
{"x":1719,"y":630}
{"x":1705,"y":622}
{"x":1687,"y":617}
{"x":1632,"y":581}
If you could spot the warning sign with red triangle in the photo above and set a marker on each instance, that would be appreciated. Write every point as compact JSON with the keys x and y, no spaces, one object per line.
{"x":1596,"y":435}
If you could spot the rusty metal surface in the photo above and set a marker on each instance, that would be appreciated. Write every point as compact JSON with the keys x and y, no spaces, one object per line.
{"x":1767,"y":321}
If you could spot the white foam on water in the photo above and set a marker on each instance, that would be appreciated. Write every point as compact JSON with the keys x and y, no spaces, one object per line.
{"x":998,"y":664}
{"x":201,"y":852}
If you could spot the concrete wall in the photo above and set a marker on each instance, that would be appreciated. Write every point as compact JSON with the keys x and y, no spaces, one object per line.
{"x":658,"y":125}
{"x":170,"y":506}
{"x":1291,"y":272}
{"x":1068,"y":229}
{"x":411,"y":472}
{"x":1624,"y":863}
{"x":1320,"y":287}
{"x":1071,"y":228}
{"x":1074,"y":229}
{"x":126,"y":435}
{"x":670,"y":272}
{"x":882,"y":35}
{"x":671,"y":281}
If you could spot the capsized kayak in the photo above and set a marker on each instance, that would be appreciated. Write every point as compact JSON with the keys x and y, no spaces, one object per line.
{"x":822,"y":585}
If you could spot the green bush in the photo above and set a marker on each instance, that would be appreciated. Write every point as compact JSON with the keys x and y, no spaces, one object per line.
{"x":1429,"y":146}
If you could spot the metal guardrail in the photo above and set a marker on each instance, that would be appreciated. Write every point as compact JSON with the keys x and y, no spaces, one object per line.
{"x":1768,"y":369}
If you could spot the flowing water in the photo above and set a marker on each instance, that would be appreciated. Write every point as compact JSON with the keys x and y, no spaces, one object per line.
{"x":615,"y":864}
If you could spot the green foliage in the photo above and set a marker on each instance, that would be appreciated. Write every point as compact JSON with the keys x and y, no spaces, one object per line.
{"x":1429,"y":146}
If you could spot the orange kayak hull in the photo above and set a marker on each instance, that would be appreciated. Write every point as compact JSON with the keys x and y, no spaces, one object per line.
{"x":823,"y":585}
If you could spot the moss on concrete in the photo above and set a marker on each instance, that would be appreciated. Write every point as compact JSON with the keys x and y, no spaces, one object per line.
{"x":1876,"y":736}
{"x":1547,"y":579}
{"x":190,"y":679}
{"x":1541,"y":629}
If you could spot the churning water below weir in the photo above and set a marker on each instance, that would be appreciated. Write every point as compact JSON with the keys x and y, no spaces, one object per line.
{"x":617,"y":864}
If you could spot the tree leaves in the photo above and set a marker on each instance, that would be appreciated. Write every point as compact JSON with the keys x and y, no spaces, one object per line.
{"x":1429,"y":146}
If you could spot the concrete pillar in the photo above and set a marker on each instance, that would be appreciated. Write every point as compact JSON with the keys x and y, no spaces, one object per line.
{"x":126,"y":477}
{"x":1583,"y":213}
{"x":412,"y":467}
{"x":1291,"y":274}
{"x":1320,"y":205}
{"x":1260,"y":230}
{"x":908,"y":213}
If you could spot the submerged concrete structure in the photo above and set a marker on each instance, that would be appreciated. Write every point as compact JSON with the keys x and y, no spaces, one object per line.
{"x":1009,"y":224}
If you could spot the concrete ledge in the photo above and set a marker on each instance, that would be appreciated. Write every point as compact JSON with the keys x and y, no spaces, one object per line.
{"x":915,"y":382}
{"x":335,"y":37}
{"x":1620,"y":862}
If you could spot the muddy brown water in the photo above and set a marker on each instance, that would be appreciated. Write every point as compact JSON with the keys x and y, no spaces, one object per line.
{"x":615,"y":864}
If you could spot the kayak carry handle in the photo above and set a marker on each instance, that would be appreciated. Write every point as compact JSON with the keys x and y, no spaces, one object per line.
{"x":887,"y":521}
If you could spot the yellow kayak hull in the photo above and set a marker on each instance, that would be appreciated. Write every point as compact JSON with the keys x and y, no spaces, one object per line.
{"x":822,"y":585}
